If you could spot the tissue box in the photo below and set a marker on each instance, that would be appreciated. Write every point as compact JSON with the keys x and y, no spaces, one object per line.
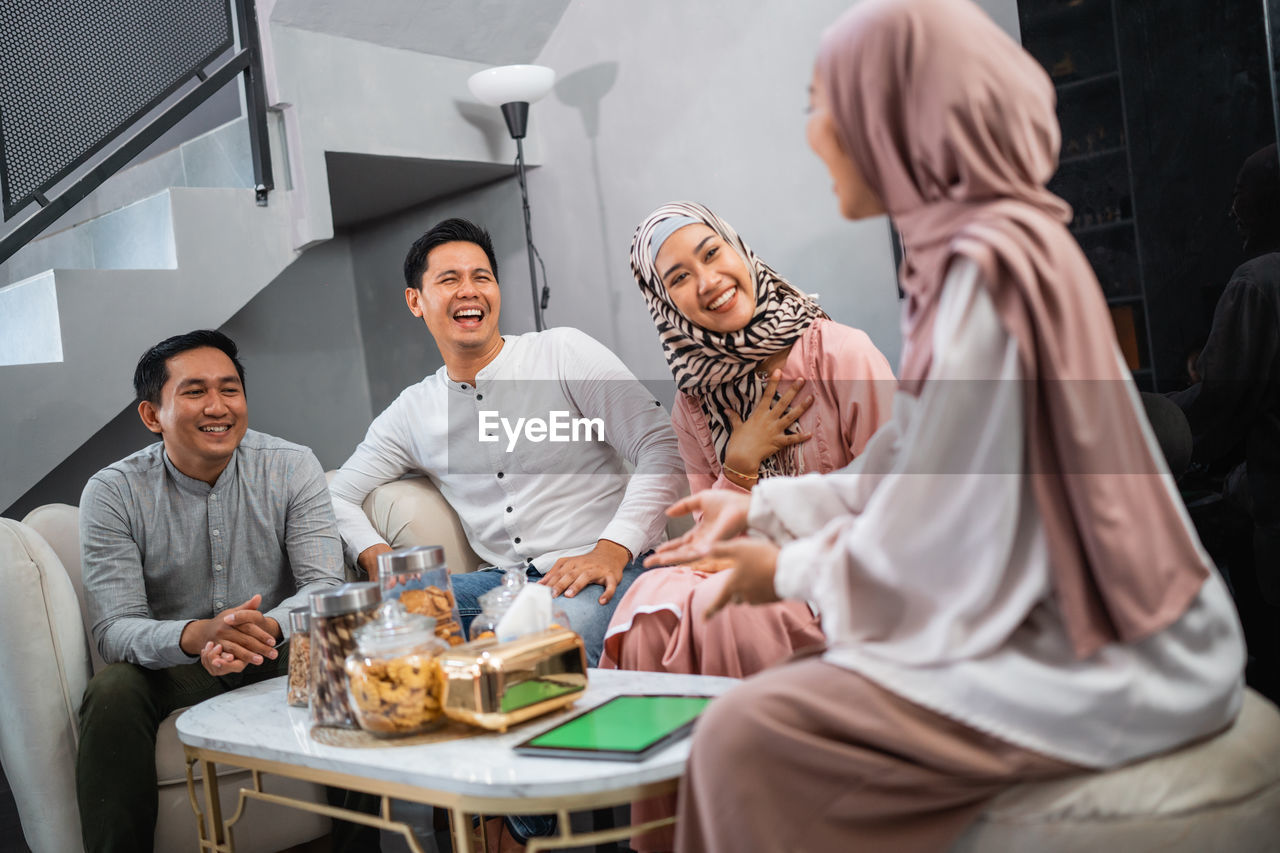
{"x":495,"y":685}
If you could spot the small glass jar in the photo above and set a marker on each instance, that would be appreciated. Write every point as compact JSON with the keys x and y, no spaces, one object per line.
{"x":394,"y":679}
{"x":419,"y":579}
{"x":492,"y":605}
{"x":336,"y":614}
{"x":299,"y":690}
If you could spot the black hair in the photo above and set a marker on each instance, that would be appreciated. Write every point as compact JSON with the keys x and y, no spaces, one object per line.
{"x":450,"y":231}
{"x":153,"y":368}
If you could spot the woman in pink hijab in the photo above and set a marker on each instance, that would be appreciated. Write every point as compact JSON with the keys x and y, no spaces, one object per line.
{"x":1009,"y":585}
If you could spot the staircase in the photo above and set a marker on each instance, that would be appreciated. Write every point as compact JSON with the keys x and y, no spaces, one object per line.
{"x":191,"y":247}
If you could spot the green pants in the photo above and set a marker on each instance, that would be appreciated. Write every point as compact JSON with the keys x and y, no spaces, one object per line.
{"x":116,"y":765}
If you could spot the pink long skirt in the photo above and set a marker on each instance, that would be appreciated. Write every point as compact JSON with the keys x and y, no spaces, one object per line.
{"x":811,"y":758}
{"x":660,"y":626}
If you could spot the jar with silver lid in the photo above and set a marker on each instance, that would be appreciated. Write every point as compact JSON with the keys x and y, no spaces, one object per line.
{"x":335,"y":615}
{"x":299,"y":690}
{"x":419,"y":579}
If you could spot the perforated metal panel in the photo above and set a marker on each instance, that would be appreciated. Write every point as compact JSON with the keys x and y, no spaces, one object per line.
{"x":75,"y":73}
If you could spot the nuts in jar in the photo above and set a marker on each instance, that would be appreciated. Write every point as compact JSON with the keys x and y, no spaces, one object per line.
{"x":394,"y":678}
{"x":299,"y":688}
{"x":336,"y":614}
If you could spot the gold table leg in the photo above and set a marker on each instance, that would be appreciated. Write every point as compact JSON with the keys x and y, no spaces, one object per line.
{"x":464,"y":833}
{"x":566,"y":837}
{"x":217,"y":835}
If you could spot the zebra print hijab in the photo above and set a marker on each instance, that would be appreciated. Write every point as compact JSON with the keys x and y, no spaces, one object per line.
{"x":719,"y":369}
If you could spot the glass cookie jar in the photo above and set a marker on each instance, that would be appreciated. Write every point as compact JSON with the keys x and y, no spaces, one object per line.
{"x":336,"y":614}
{"x":419,"y":579}
{"x":394,"y":680}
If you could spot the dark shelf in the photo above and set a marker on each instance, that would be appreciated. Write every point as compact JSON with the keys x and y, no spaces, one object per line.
{"x":1133,"y":299}
{"x":1093,"y":155}
{"x":1059,"y":16}
{"x":1105,"y":226}
{"x":1072,"y":85}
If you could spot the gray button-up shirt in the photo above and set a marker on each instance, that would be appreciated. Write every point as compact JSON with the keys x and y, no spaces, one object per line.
{"x":162,"y":549}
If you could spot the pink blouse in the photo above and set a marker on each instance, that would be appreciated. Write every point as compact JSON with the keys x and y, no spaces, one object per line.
{"x":853,"y":388}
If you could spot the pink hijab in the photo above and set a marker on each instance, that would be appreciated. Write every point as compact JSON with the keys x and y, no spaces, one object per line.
{"x":952,"y":125}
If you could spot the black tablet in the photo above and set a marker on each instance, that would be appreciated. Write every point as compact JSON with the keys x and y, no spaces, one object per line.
{"x":626,"y":728}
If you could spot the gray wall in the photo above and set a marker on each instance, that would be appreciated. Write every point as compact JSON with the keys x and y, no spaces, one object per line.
{"x":300,"y":343}
{"x":700,"y":101}
{"x":399,"y":350}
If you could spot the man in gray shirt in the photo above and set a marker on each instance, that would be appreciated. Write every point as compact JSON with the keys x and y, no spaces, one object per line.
{"x":194,"y":550}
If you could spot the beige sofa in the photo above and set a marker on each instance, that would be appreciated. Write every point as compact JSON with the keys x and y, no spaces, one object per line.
{"x":49,"y":660}
{"x":1221,"y":794}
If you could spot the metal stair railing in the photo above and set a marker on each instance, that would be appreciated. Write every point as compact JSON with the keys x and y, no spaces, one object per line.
{"x":51,"y":125}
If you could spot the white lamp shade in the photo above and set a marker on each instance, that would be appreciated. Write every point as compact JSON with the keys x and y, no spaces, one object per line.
{"x":510,"y":83}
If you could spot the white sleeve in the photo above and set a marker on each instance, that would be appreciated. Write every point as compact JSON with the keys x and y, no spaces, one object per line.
{"x":786,"y":508}
{"x":923,"y":556}
{"x":383,"y":456}
{"x":639,"y":429}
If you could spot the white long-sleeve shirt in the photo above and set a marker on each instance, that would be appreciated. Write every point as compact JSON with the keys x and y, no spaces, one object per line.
{"x":526,"y":499}
{"x":928,"y":559}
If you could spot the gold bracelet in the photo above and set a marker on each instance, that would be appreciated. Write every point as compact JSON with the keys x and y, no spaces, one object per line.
{"x":729,"y":470}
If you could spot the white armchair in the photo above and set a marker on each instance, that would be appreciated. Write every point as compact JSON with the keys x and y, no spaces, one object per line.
{"x":49,"y":660}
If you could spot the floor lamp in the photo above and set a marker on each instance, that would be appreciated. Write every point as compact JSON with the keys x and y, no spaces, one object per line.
{"x":513,"y":88}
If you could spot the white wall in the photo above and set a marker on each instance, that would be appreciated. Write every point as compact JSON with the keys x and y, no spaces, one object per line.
{"x":300,"y":344}
{"x":654,"y":102}
{"x":701,"y":101}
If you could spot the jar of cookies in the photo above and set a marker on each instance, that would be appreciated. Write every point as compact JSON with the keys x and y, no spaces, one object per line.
{"x":394,"y":679}
{"x":336,"y":615}
{"x":299,"y":690}
{"x":419,"y":579}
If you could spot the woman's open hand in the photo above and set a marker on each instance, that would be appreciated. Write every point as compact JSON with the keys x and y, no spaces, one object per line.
{"x":724,"y":516}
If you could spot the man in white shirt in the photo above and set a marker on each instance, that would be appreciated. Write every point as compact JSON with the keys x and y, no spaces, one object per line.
{"x":526,"y":436}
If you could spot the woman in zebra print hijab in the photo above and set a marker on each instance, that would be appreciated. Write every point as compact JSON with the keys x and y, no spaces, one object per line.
{"x":724,"y":316}
{"x":725,"y":368}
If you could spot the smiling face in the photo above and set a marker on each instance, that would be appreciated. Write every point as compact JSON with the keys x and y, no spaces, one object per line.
{"x":856,"y":199}
{"x":202,"y":414}
{"x":707,"y":280}
{"x":459,"y":300}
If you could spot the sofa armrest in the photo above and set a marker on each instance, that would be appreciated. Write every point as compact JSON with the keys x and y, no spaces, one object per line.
{"x":42,"y":682}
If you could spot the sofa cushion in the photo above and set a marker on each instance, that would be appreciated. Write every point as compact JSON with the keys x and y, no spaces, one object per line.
{"x":1220,"y":793}
{"x":59,"y":526}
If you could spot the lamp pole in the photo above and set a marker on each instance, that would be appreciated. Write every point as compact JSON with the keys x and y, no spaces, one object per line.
{"x":528,"y":236}
{"x":513,"y":87}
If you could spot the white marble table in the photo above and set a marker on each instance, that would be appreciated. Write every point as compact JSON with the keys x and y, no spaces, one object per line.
{"x":253,"y":728}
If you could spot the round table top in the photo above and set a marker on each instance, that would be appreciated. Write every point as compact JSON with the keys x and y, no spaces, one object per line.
{"x":255,"y":721}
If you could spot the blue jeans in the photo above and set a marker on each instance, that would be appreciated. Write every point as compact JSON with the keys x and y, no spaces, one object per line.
{"x":586,"y":614}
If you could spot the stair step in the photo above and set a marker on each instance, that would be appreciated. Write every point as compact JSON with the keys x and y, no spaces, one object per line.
{"x":30,"y":311}
{"x":137,"y":236}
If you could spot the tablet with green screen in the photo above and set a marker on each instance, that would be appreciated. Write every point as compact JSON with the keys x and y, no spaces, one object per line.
{"x":626,"y":728}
